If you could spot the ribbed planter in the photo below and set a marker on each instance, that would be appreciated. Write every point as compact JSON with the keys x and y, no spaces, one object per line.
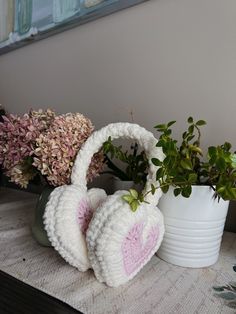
{"x":193,"y":227}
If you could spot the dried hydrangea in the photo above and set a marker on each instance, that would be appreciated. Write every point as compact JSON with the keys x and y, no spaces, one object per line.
{"x":18,"y":141}
{"x":44,"y":117}
{"x":57,"y":148}
{"x":21,"y":174}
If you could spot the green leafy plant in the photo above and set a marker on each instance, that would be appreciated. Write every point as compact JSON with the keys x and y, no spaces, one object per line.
{"x":184,"y":164}
{"x":227,"y":292}
{"x":136,"y":163}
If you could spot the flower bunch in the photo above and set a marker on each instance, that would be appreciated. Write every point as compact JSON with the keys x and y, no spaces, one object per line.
{"x":17,"y":142}
{"x":57,"y":148}
{"x":41,"y":143}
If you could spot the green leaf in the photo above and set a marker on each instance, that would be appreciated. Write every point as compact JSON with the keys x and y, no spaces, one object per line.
{"x":141,"y":198}
{"x":186,"y":164}
{"x":168,"y":132}
{"x":212,"y":160}
{"x":105,"y":147}
{"x":165,"y":188}
{"x":186,"y":191}
{"x":160,"y":126}
{"x":134,"y":193}
{"x":153,"y":189}
{"x":227,"y":146}
{"x":195,"y":149}
{"x":190,"y":120}
{"x":127,"y":198}
{"x":229,"y":193}
{"x":184,"y":135}
{"x":220,"y":189}
{"x":212,"y":151}
{"x":160,"y":143}
{"x":177,"y":191}
{"x":191,"y":129}
{"x":156,"y":162}
{"x":159,"y":173}
{"x":134,"y":205}
{"x":190,"y":137}
{"x":200,"y":122}
{"x":192,"y":178}
{"x":233,"y":159}
{"x":168,"y":161}
{"x":220,"y":163}
{"x":170,"y":123}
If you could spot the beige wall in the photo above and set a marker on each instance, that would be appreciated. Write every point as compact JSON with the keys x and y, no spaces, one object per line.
{"x":164,"y":59}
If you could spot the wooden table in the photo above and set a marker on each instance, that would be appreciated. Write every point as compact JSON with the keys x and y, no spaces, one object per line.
{"x":159,"y":288}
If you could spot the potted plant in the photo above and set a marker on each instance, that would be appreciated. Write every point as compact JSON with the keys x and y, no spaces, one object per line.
{"x":128,"y":168}
{"x":42,"y":146}
{"x":196,"y":193}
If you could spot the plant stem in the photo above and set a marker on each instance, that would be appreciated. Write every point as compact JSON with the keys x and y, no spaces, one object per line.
{"x":199,"y":134}
{"x":161,"y":186}
{"x":118,"y":172}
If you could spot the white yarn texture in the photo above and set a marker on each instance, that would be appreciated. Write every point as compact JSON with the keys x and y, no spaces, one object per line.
{"x":110,"y":225}
{"x":62,"y":226}
{"x":112,"y":219}
{"x":131,"y":131}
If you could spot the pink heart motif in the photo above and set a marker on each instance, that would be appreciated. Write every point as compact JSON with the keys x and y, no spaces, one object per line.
{"x":134,"y":251}
{"x":85,"y":214}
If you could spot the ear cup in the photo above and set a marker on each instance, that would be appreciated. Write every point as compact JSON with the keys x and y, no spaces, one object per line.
{"x":67,"y":216}
{"x":120,"y":242}
{"x":96,"y":197}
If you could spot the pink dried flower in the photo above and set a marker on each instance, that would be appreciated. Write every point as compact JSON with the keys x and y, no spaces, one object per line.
{"x":21,"y":174}
{"x":18,"y":141}
{"x":57,"y":148}
{"x":44,"y":117}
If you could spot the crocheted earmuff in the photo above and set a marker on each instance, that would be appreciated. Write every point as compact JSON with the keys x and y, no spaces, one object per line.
{"x":92,"y":230}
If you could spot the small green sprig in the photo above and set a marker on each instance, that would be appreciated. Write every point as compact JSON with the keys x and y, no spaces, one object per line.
{"x":136,"y":163}
{"x":134,"y":199}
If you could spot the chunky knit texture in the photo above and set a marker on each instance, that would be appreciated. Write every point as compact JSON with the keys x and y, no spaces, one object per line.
{"x":146,"y":140}
{"x":108,"y":233}
{"x":117,"y":242}
{"x":62,"y":222}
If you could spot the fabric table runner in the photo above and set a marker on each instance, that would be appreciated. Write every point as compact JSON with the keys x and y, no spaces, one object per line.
{"x":159,"y":288}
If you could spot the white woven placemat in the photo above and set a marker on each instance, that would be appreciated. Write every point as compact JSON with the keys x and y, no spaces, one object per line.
{"x":159,"y":288}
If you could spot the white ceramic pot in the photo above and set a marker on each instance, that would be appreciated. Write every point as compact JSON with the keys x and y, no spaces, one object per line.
{"x":193,"y":227}
{"x":118,"y":184}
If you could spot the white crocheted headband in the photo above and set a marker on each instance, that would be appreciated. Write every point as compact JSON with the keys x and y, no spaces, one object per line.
{"x":146,"y":140}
